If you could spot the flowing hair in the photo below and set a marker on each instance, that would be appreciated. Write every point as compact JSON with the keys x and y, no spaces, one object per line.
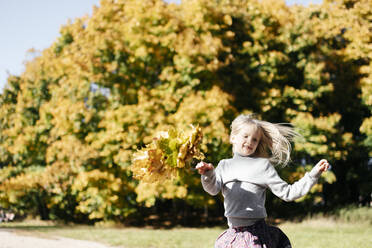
{"x":275,"y":141}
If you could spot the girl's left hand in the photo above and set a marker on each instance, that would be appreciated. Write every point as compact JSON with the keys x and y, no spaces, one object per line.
{"x":322,"y":165}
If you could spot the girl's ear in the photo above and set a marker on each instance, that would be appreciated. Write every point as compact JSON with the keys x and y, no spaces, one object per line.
{"x":232,"y":138}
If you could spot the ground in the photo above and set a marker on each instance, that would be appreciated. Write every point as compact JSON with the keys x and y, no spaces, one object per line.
{"x":10,"y":239}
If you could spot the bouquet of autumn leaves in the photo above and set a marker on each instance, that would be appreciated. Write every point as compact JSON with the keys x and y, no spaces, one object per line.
{"x":168,"y":156}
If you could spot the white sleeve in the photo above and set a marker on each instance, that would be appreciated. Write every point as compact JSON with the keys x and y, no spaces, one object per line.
{"x":289,"y":192}
{"x":212,"y":181}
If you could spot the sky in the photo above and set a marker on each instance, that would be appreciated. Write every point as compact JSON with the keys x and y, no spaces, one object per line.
{"x":35,"y":24}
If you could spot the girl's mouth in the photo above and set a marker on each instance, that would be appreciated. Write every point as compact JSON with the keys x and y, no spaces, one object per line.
{"x":247,"y":147}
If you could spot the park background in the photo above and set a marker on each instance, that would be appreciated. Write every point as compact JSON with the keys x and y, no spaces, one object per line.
{"x":72,"y":120}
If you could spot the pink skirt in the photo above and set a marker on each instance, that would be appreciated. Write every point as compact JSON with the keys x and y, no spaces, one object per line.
{"x":259,"y":235}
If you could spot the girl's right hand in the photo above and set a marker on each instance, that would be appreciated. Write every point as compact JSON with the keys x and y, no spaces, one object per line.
{"x":203,"y":167}
{"x":322,"y":165}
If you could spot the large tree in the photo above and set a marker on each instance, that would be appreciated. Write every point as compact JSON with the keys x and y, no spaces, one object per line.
{"x":72,"y":121}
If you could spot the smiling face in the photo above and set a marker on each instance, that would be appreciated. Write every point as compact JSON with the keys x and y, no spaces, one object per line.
{"x":246,"y":140}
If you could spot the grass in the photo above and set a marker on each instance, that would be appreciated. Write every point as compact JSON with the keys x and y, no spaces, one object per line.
{"x":354,"y":214}
{"x":326,"y":233}
{"x":127,"y":237}
{"x":308,"y":234}
{"x":338,"y":231}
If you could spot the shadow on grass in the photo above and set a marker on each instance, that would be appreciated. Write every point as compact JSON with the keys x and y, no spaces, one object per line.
{"x":34,"y":225}
{"x":30,"y":227}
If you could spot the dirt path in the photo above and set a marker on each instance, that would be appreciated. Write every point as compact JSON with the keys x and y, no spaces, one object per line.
{"x":9,"y":239}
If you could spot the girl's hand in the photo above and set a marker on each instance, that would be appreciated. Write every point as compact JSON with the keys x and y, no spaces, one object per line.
{"x":322,"y":165}
{"x":203,"y":167}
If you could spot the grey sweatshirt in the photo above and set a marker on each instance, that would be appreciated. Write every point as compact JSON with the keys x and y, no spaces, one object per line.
{"x":243,"y":182}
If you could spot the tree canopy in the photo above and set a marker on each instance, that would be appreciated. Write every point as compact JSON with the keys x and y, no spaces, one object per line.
{"x":72,"y":121}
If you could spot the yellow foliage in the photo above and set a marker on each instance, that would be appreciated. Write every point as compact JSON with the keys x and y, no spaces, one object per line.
{"x":167,"y":156}
{"x":167,"y":189}
{"x":110,"y":82}
{"x":317,"y":133}
{"x":208,"y":110}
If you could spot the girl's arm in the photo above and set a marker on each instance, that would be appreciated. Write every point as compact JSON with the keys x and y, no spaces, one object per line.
{"x":211,"y":180}
{"x":298,"y":189}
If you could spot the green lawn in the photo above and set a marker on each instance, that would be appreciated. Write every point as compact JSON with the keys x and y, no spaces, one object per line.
{"x":309,"y":234}
{"x":328,"y":234}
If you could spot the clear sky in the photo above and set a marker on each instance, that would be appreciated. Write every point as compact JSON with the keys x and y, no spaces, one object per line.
{"x":26,"y":24}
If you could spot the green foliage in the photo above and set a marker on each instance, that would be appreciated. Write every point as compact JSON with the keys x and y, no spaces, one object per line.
{"x":71,"y":123}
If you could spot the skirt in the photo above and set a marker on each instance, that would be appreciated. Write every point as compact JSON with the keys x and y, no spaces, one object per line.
{"x":259,"y":235}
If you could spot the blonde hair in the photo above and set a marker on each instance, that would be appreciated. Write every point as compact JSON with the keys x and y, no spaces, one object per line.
{"x":275,"y":141}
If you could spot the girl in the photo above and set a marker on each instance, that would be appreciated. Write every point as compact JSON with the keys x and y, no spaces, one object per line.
{"x":243,"y":180}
